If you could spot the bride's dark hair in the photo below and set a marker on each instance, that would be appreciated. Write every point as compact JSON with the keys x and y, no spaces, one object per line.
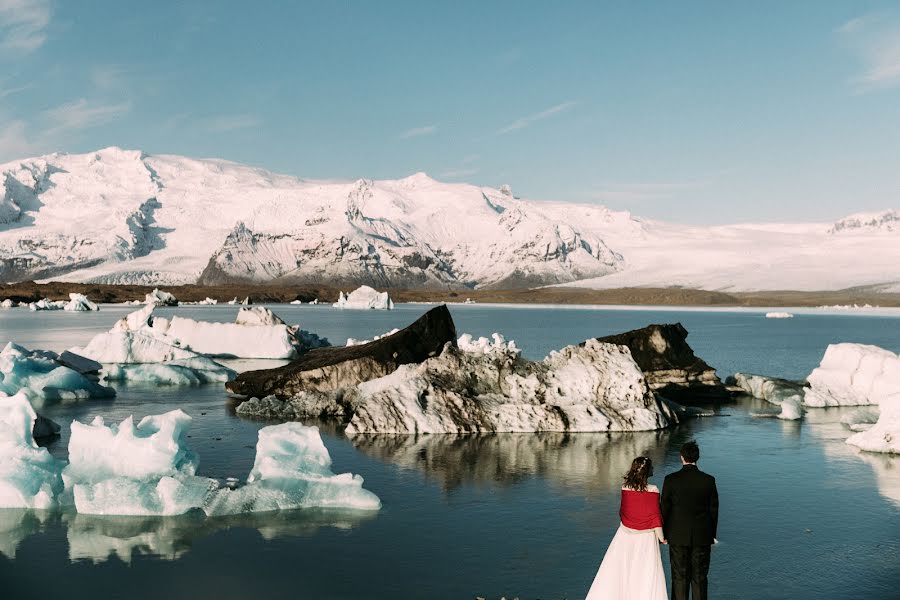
{"x":640,"y":471}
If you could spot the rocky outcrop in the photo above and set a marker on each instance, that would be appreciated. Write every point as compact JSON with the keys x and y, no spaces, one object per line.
{"x":669,"y":363}
{"x":337,"y":368}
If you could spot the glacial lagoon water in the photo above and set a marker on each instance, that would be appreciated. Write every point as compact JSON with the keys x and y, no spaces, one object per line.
{"x":803,"y":515}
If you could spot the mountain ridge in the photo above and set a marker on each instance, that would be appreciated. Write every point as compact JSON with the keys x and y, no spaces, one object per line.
{"x":126,"y":217}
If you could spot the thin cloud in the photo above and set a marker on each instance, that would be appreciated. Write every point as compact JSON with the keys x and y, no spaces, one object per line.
{"x":231,"y":122}
{"x":9,"y":91}
{"x":644,"y":191}
{"x":418,"y":132}
{"x":875,"y":39}
{"x":82,"y":114}
{"x":107,"y":77}
{"x":23,"y":24}
{"x":531,"y":119}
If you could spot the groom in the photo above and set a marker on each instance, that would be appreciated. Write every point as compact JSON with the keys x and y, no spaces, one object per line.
{"x":690,"y":511}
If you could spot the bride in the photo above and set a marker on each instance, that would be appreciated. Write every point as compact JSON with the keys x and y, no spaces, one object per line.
{"x":632,"y":567}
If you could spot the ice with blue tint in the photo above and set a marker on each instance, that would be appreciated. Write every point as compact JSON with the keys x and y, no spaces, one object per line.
{"x":44,"y":380}
{"x":29,"y":476}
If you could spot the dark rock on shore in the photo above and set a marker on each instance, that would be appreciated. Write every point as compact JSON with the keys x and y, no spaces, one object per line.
{"x":669,"y":364}
{"x":335,"y":368}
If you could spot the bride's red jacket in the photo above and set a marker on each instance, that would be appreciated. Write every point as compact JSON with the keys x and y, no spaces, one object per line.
{"x":640,"y":510}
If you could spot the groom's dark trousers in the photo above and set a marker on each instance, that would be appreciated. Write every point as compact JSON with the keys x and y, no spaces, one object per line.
{"x":690,"y":511}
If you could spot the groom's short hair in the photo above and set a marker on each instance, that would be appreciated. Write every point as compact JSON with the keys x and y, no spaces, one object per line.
{"x":690,"y":452}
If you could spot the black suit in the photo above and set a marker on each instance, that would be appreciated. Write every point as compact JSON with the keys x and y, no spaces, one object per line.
{"x":690,"y":511}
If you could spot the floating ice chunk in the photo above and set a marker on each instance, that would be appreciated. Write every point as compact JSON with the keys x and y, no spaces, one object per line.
{"x":296,"y":301}
{"x":46,"y":304}
{"x":8,"y":303}
{"x":235,"y":301}
{"x":292,"y":470}
{"x":134,"y":470}
{"x":852,"y":375}
{"x":315,"y":301}
{"x":191,"y":371}
{"x":43,"y":379}
{"x":790,"y":409}
{"x":355,"y":342}
{"x":79,"y":302}
{"x":884,"y":435}
{"x":365,"y":297}
{"x":29,"y":476}
{"x":257,"y":315}
{"x":232,"y":339}
{"x":779,"y":315}
{"x":770,"y":389}
{"x":160,"y":298}
{"x":138,"y":347}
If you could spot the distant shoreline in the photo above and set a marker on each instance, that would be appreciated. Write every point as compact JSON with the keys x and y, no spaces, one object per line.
{"x":104,"y":293}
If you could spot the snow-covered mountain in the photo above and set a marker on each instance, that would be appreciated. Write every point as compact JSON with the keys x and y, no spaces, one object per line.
{"x":120,"y":216}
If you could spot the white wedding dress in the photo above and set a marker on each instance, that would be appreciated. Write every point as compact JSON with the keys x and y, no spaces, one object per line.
{"x":632,"y":568}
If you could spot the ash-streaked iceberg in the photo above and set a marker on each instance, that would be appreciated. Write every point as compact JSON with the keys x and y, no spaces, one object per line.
{"x":29,"y":476}
{"x":853,"y":375}
{"x":365,"y":297}
{"x":43,"y":379}
{"x":486,"y":386}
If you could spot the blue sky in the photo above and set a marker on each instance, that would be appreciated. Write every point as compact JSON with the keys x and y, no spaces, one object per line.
{"x":703,"y":112}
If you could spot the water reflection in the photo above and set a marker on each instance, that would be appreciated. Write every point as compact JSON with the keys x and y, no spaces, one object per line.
{"x":827,"y":427}
{"x":593,"y":462}
{"x":100,"y":538}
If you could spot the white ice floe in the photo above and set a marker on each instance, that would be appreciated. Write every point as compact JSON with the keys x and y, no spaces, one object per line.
{"x":148,"y":469}
{"x":790,"y":410}
{"x":159,"y":298}
{"x":230,"y":339}
{"x":296,"y":301}
{"x":852,"y":375}
{"x":191,"y":371}
{"x":29,"y":476}
{"x":487,"y":387}
{"x":79,"y":303}
{"x":234,"y":301}
{"x":292,"y":470}
{"x":884,"y":435}
{"x":128,"y":469}
{"x":356,"y":342}
{"x":365,"y":297}
{"x":257,"y":315}
{"x":47,"y":304}
{"x":779,"y":315}
{"x":770,"y":389}
{"x":8,"y":303}
{"x":43,"y":379}
{"x":483,"y":345}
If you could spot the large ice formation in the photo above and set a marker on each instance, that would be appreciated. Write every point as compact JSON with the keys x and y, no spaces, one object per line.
{"x":853,"y":374}
{"x":46,"y":304}
{"x":29,"y":476}
{"x":365,"y":297}
{"x":8,"y":303}
{"x":135,"y":350}
{"x":779,"y":315}
{"x":770,"y":389}
{"x":148,"y":469}
{"x":485,"y":386}
{"x":79,"y":302}
{"x":41,"y":376}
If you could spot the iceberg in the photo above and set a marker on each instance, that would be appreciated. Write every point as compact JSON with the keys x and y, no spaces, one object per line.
{"x":365,"y":297}
{"x":46,"y":304}
{"x":128,"y":469}
{"x":884,"y":435}
{"x":779,"y":315}
{"x":770,"y":389}
{"x":292,"y":470}
{"x":43,"y":379}
{"x":79,"y":302}
{"x":148,"y":470}
{"x":29,"y":476}
{"x":8,"y":303}
{"x":853,"y":375}
{"x":356,"y":342}
{"x":486,"y":386}
{"x":160,"y":298}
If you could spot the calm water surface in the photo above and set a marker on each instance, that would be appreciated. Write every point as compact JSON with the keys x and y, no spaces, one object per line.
{"x":803,"y":515}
